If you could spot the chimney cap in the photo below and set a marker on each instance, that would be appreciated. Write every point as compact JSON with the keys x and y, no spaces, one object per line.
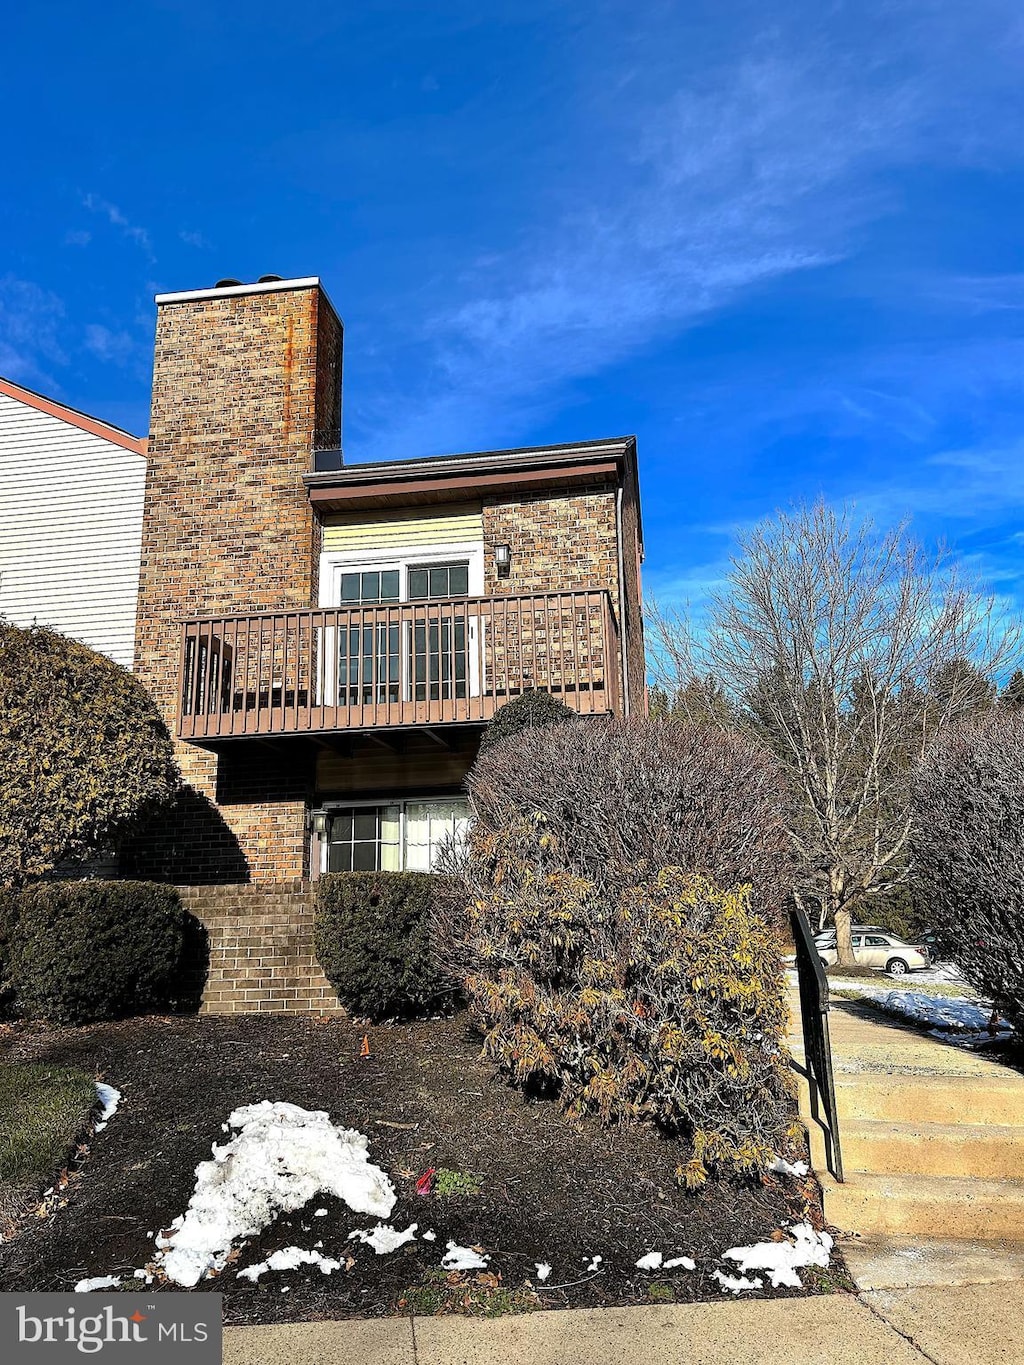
{"x":226,"y":284}
{"x":270,"y":279}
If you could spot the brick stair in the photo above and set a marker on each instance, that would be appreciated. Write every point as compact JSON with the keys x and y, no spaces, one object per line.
{"x":261,"y":949}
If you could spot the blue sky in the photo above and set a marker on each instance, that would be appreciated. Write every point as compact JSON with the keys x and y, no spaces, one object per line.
{"x":782,"y":244}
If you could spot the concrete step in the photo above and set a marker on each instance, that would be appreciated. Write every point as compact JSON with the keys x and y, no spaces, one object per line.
{"x":990,"y":1151}
{"x":929,"y":1099}
{"x":926,"y":1206}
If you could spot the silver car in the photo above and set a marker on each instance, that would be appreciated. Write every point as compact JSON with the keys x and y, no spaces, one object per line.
{"x":876,"y":948}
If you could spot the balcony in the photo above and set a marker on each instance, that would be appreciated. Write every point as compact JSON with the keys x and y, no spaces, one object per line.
{"x":399,"y":665}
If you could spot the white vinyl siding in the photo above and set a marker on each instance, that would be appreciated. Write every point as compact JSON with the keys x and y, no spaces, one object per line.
{"x":70,"y":529}
{"x":406,"y":527}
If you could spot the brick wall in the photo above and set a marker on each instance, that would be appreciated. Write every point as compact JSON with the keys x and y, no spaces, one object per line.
{"x":261,"y":949}
{"x":569,"y":540}
{"x":243,"y":387}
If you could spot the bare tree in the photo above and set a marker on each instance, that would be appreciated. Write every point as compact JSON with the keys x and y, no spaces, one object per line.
{"x":828,"y":637}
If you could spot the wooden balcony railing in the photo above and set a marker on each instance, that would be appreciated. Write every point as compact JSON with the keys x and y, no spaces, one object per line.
{"x":397,"y":664}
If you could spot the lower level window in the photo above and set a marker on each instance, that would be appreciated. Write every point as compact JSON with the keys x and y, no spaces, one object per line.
{"x":393,"y":836}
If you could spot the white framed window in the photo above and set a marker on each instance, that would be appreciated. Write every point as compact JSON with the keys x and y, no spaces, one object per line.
{"x":391,"y":836}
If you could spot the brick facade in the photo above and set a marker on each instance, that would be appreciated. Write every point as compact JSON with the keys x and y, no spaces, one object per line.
{"x":261,"y":949}
{"x":244,"y":386}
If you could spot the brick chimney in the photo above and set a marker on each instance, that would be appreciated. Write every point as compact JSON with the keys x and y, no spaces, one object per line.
{"x":246,"y":384}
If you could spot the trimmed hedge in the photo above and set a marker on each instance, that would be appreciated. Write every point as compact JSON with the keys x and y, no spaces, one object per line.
{"x":85,"y":756}
{"x":373,"y":940}
{"x":76,"y":952}
{"x":533,"y":708}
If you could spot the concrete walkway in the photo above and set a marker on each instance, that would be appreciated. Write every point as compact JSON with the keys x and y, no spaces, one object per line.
{"x":969,"y":1325}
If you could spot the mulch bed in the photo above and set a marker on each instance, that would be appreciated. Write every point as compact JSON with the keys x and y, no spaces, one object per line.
{"x":551,"y":1192}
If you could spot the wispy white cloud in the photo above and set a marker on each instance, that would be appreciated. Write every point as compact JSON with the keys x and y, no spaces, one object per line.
{"x":766,"y":166}
{"x":30,"y":320}
{"x":118,"y":348}
{"x":195,"y":239}
{"x":139,"y":235}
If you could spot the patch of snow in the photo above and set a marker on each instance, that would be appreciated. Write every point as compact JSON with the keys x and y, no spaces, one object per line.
{"x":319,"y":1213}
{"x":543,"y":1270}
{"x":651,"y":1260}
{"x":735,"y":1284}
{"x":684,"y":1262}
{"x":781,"y":1260}
{"x":429,"y":1236}
{"x":110,"y":1099}
{"x":143,"y":1275}
{"x":97,"y":1282}
{"x":594,"y":1264}
{"x":780,"y":1166}
{"x":281,"y":1156}
{"x":289,"y":1258}
{"x":384,"y":1238}
{"x":462,"y":1258}
{"x":317,"y":1245}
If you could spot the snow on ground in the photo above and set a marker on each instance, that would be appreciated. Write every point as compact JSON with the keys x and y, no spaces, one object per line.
{"x":110,"y":1099}
{"x":543,"y":1270}
{"x":653,"y":1260}
{"x":97,"y":1282}
{"x":462,"y":1258}
{"x":735,"y":1284}
{"x":289,"y":1258}
{"x":384,"y":1238}
{"x":281,"y":1156}
{"x":780,"y":1166}
{"x":943,"y":1012}
{"x":781,"y":1260}
{"x":595,"y":1264}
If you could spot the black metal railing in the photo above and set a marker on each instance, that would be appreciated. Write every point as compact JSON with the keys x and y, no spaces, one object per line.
{"x":817,"y":1068}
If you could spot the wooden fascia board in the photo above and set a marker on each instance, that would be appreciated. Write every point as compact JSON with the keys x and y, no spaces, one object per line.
{"x":339,"y":497}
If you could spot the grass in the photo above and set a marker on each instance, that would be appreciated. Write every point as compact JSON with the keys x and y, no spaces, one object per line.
{"x":42,"y":1110}
{"x":480,"y":1297}
{"x":451,"y":1184}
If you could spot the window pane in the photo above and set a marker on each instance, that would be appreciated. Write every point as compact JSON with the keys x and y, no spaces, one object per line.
{"x":370,"y":590}
{"x":418,"y":583}
{"x":339,"y":858}
{"x":459,"y":580}
{"x":350,"y":587}
{"x":389,"y":585}
{"x":366,"y":826}
{"x":364,"y":858}
{"x":341,"y":825}
{"x":439,"y":581}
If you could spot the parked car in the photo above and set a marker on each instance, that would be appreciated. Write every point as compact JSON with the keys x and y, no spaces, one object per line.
{"x":874,"y":947}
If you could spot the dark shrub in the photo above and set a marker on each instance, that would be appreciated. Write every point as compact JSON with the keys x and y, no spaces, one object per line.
{"x":625,"y":794}
{"x":612,"y":922}
{"x":532,"y":709}
{"x":968,"y":851}
{"x":84,"y":753}
{"x":81,"y":951}
{"x":372,"y":936}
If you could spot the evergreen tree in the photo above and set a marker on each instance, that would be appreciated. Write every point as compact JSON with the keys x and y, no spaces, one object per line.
{"x":1012,"y":696}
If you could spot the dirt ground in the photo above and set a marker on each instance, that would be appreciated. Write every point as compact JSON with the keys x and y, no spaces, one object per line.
{"x":549,"y":1192}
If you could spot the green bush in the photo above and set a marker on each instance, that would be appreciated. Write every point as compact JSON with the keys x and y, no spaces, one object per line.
{"x":82,"y":951}
{"x":84,"y":753}
{"x":533,"y":708}
{"x":372,"y":937}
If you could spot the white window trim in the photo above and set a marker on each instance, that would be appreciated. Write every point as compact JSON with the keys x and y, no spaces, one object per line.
{"x":335,"y":562}
{"x":364,"y":803}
